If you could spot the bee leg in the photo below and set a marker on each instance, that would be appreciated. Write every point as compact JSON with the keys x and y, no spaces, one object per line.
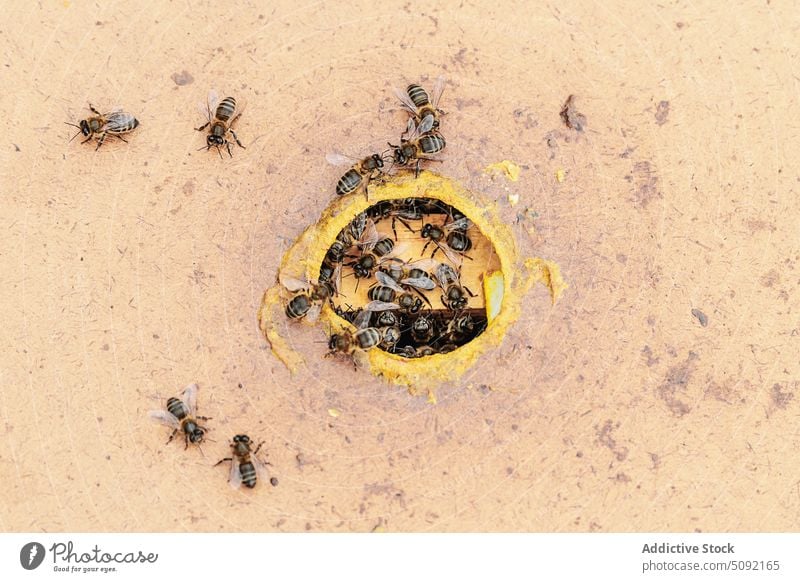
{"x":186,"y":440}
{"x":471,"y":294}
{"x":223,"y":460}
{"x":100,"y":141}
{"x":421,"y":294}
{"x":422,"y":254}
{"x":88,"y":138}
{"x":93,"y":110}
{"x":405,"y":224}
{"x":122,"y":138}
{"x":233,"y":133}
{"x":202,"y":127}
{"x":203,"y":417}
{"x":416,"y":171}
{"x":172,"y":436}
{"x":258,"y":448}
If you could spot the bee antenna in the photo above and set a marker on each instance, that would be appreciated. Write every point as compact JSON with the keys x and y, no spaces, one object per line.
{"x":79,"y":130}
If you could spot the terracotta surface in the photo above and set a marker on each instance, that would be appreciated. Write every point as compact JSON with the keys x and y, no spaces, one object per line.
{"x":134,"y":270}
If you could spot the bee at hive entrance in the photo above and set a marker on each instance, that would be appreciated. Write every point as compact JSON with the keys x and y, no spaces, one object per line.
{"x":408,"y":275}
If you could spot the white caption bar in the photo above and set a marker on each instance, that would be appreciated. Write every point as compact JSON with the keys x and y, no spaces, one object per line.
{"x":400,"y":557}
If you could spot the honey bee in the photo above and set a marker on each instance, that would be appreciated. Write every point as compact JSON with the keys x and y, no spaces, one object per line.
{"x":350,"y":344}
{"x":388,"y":293}
{"x":441,"y":237}
{"x":181,"y":415}
{"x":424,"y":110}
{"x":455,"y":294}
{"x":374,"y":253}
{"x":463,"y":326}
{"x":423,"y":328}
{"x":115,"y":123}
{"x":359,"y":175}
{"x":308,"y":299}
{"x":245,"y":465}
{"x":220,"y":116}
{"x":417,"y":149}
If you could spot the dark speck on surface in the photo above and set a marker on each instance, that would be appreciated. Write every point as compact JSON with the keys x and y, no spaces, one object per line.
{"x":701,"y":317}
{"x":182,"y":78}
{"x":573,"y":119}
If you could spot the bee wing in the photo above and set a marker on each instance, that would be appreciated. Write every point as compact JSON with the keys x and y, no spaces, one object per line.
{"x":190,"y":398}
{"x":462,"y":223}
{"x":442,"y":273}
{"x":336,"y":279}
{"x":313,"y":313}
{"x":427,"y":265}
{"x":235,"y":476}
{"x":400,"y":249}
{"x":379,"y":306}
{"x":164,"y":417}
{"x":438,"y":89}
{"x":370,"y":235}
{"x":212,"y":100}
{"x":261,"y":468}
{"x":362,"y":318}
{"x":420,"y":283}
{"x":405,"y":100}
{"x":451,"y":255}
{"x":336,"y":159}
{"x":117,"y":121}
{"x":291,"y":283}
{"x":425,"y":125}
{"x":387,"y":280}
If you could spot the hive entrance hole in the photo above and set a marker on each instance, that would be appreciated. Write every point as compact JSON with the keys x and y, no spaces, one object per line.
{"x":433,"y":326}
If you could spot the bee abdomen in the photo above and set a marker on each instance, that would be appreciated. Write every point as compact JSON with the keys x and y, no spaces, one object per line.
{"x":177,"y":408}
{"x":418,"y":95}
{"x":348,"y":182}
{"x":431,"y":144}
{"x":368,"y":338}
{"x":122,"y":123}
{"x":381,"y":293}
{"x":248,"y":472}
{"x":298,"y":306}
{"x":226,"y":109}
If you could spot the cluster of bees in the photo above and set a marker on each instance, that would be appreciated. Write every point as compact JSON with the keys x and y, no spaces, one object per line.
{"x":400,"y":317}
{"x":219,"y":114}
{"x":181,"y":416}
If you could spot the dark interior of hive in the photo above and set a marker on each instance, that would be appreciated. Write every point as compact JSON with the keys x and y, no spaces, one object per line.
{"x":410,"y":246}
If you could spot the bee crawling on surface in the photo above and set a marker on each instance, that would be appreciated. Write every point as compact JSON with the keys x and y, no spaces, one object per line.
{"x":115,"y":123}
{"x":361,"y":173}
{"x":424,"y":109}
{"x":416,"y":149}
{"x":309,"y":298}
{"x":181,"y":415}
{"x":245,"y":465}
{"x":220,"y":116}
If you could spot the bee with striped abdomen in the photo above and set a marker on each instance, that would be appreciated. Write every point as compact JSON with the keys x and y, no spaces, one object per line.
{"x":416,"y":149}
{"x":116,"y":123}
{"x":361,"y":173}
{"x":424,"y":109}
{"x":455,"y":294}
{"x":181,"y":415}
{"x":245,"y":465}
{"x":220,"y":116}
